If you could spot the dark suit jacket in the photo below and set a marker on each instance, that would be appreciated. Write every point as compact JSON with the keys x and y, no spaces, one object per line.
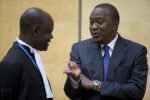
{"x":127,"y":73}
{"x":31,"y":86}
{"x":9,"y":78}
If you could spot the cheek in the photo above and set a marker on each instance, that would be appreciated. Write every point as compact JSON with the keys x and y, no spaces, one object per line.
{"x":102,"y":27}
{"x":41,"y":40}
{"x":44,"y":37}
{"x":47,"y":36}
{"x":106,"y":28}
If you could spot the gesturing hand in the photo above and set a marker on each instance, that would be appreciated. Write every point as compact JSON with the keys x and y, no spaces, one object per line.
{"x":73,"y":70}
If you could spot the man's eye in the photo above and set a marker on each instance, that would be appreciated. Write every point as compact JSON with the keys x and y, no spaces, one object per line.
{"x":91,"y":22}
{"x":100,"y":21}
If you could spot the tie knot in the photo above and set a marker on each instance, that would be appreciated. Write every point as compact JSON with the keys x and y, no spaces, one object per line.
{"x":106,"y":48}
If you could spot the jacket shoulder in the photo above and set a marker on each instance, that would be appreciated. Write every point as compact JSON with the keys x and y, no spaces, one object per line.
{"x":13,"y":55}
{"x":133,"y":44}
{"x":84,"y":42}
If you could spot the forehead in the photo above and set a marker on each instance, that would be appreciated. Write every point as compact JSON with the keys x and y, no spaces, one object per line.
{"x":100,"y":12}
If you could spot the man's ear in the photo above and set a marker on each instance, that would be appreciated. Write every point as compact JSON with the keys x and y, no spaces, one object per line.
{"x":116,"y":24}
{"x":35,"y":30}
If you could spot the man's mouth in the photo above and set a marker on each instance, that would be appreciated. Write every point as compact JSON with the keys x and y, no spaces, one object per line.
{"x":95,"y":34}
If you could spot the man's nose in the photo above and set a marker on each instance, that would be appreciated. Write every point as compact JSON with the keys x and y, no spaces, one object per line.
{"x":94,"y":26}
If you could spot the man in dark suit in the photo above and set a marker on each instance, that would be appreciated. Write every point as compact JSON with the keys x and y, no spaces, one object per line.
{"x":107,"y":66}
{"x":36,"y":28}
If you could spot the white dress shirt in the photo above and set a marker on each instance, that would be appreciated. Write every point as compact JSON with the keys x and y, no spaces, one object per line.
{"x":111,"y":46}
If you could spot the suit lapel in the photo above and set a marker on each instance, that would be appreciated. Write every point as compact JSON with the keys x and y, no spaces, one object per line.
{"x":117,"y":56}
{"x":26,"y":59}
{"x":96,"y":58}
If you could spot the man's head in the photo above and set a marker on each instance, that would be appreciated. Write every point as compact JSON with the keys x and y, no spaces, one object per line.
{"x":104,"y":21}
{"x":36,"y":28}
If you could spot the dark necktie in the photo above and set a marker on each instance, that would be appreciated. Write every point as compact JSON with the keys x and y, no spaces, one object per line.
{"x":106,"y":60}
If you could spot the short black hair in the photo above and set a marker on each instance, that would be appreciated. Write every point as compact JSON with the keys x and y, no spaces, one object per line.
{"x":32,"y":16}
{"x":113,"y":10}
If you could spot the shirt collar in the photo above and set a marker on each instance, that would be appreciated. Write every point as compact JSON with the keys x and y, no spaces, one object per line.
{"x":23,"y":43}
{"x":112,"y":43}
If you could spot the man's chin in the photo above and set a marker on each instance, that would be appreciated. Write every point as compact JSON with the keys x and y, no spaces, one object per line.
{"x":96,"y":39}
{"x":43,"y":49}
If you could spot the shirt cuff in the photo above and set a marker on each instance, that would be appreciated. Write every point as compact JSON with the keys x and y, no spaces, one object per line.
{"x":74,"y":83}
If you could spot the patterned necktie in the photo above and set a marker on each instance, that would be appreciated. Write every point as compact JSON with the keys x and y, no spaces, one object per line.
{"x":106,"y":60}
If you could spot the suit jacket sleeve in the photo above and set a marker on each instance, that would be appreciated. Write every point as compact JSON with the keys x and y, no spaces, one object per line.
{"x":135,"y":87}
{"x":68,"y":88}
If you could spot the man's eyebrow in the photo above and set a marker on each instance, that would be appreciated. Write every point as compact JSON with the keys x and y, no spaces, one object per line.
{"x":98,"y":17}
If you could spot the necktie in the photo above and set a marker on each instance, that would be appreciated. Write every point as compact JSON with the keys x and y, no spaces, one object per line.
{"x":106,"y":60}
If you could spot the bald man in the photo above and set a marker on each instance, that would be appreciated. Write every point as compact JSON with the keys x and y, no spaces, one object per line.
{"x":36,"y":28}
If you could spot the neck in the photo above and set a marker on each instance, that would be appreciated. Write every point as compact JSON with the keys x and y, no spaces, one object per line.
{"x":110,"y":39}
{"x":25,"y":39}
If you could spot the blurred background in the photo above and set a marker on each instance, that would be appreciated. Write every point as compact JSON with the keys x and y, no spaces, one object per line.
{"x":71,"y":24}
